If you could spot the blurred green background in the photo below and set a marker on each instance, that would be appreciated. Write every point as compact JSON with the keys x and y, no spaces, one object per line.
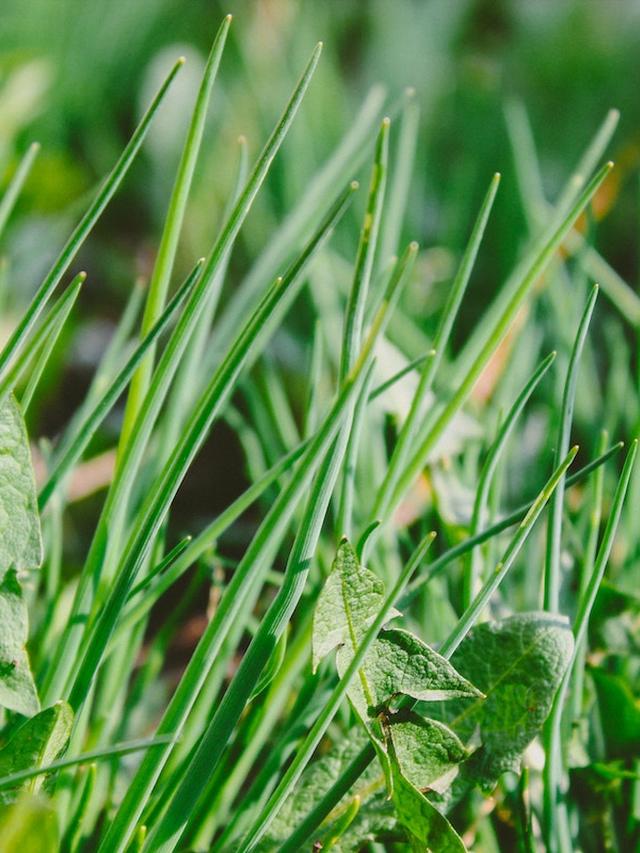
{"x":76,"y":75}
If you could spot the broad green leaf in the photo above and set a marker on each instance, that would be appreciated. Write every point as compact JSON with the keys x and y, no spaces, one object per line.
{"x":17,"y":689}
{"x":29,"y":826}
{"x":399,"y":662}
{"x":20,"y":538}
{"x":36,"y":743}
{"x":352,"y":596}
{"x":426,"y":750}
{"x":518,"y":663}
{"x":426,"y":827}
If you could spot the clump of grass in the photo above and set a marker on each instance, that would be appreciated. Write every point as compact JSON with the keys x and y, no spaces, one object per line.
{"x":395,"y":741}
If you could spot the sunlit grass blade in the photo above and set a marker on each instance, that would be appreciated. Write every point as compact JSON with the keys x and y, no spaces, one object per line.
{"x":344,"y":162}
{"x":18,"y":337}
{"x":405,"y":371}
{"x":163,"y":267}
{"x":613,"y":285}
{"x":56,"y":327}
{"x":551,"y":596}
{"x":481,"y":600}
{"x":495,"y":333}
{"x":411,"y":424}
{"x":401,"y":173}
{"x":355,"y":309}
{"x":15,"y":185}
{"x":76,"y":443}
{"x":473,"y":570}
{"x":159,"y":499}
{"x":131,"y":454}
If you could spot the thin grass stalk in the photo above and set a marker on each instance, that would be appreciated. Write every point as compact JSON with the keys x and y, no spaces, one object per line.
{"x":165,"y":259}
{"x":16,"y":183}
{"x":407,"y":434}
{"x":528,"y":276}
{"x":472,"y":576}
{"x":554,"y":529}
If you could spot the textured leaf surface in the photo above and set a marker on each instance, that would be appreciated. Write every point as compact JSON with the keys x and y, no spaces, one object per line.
{"x":37,"y":742}
{"x":426,"y":749}
{"x":400,"y":662}
{"x":20,"y":538}
{"x":350,"y":600}
{"x":17,"y":689}
{"x":518,"y":664}
{"x":426,"y":827}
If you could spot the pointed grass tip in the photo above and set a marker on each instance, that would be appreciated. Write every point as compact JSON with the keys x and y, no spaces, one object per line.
{"x":228,"y":18}
{"x":413,"y":246}
{"x":386,"y":121}
{"x":354,"y":185}
{"x":410,"y":92}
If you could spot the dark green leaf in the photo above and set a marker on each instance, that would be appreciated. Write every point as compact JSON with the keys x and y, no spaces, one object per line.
{"x":518,"y":663}
{"x":426,"y":827}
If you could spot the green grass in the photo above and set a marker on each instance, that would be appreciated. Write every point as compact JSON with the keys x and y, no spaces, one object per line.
{"x":406,"y":617}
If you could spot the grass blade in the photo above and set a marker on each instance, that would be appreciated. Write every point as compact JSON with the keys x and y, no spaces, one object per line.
{"x":409,"y":429}
{"x":554,"y":532}
{"x":17,"y":182}
{"x":473,"y":570}
{"x":163,"y":267}
{"x":527,"y":277}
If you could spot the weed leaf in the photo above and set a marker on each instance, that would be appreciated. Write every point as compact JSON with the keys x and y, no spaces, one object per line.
{"x":20,"y":538}
{"x":17,"y":689}
{"x":518,"y":663}
{"x":352,"y":596}
{"x":36,"y":743}
{"x":425,"y":826}
{"x":426,"y":750}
